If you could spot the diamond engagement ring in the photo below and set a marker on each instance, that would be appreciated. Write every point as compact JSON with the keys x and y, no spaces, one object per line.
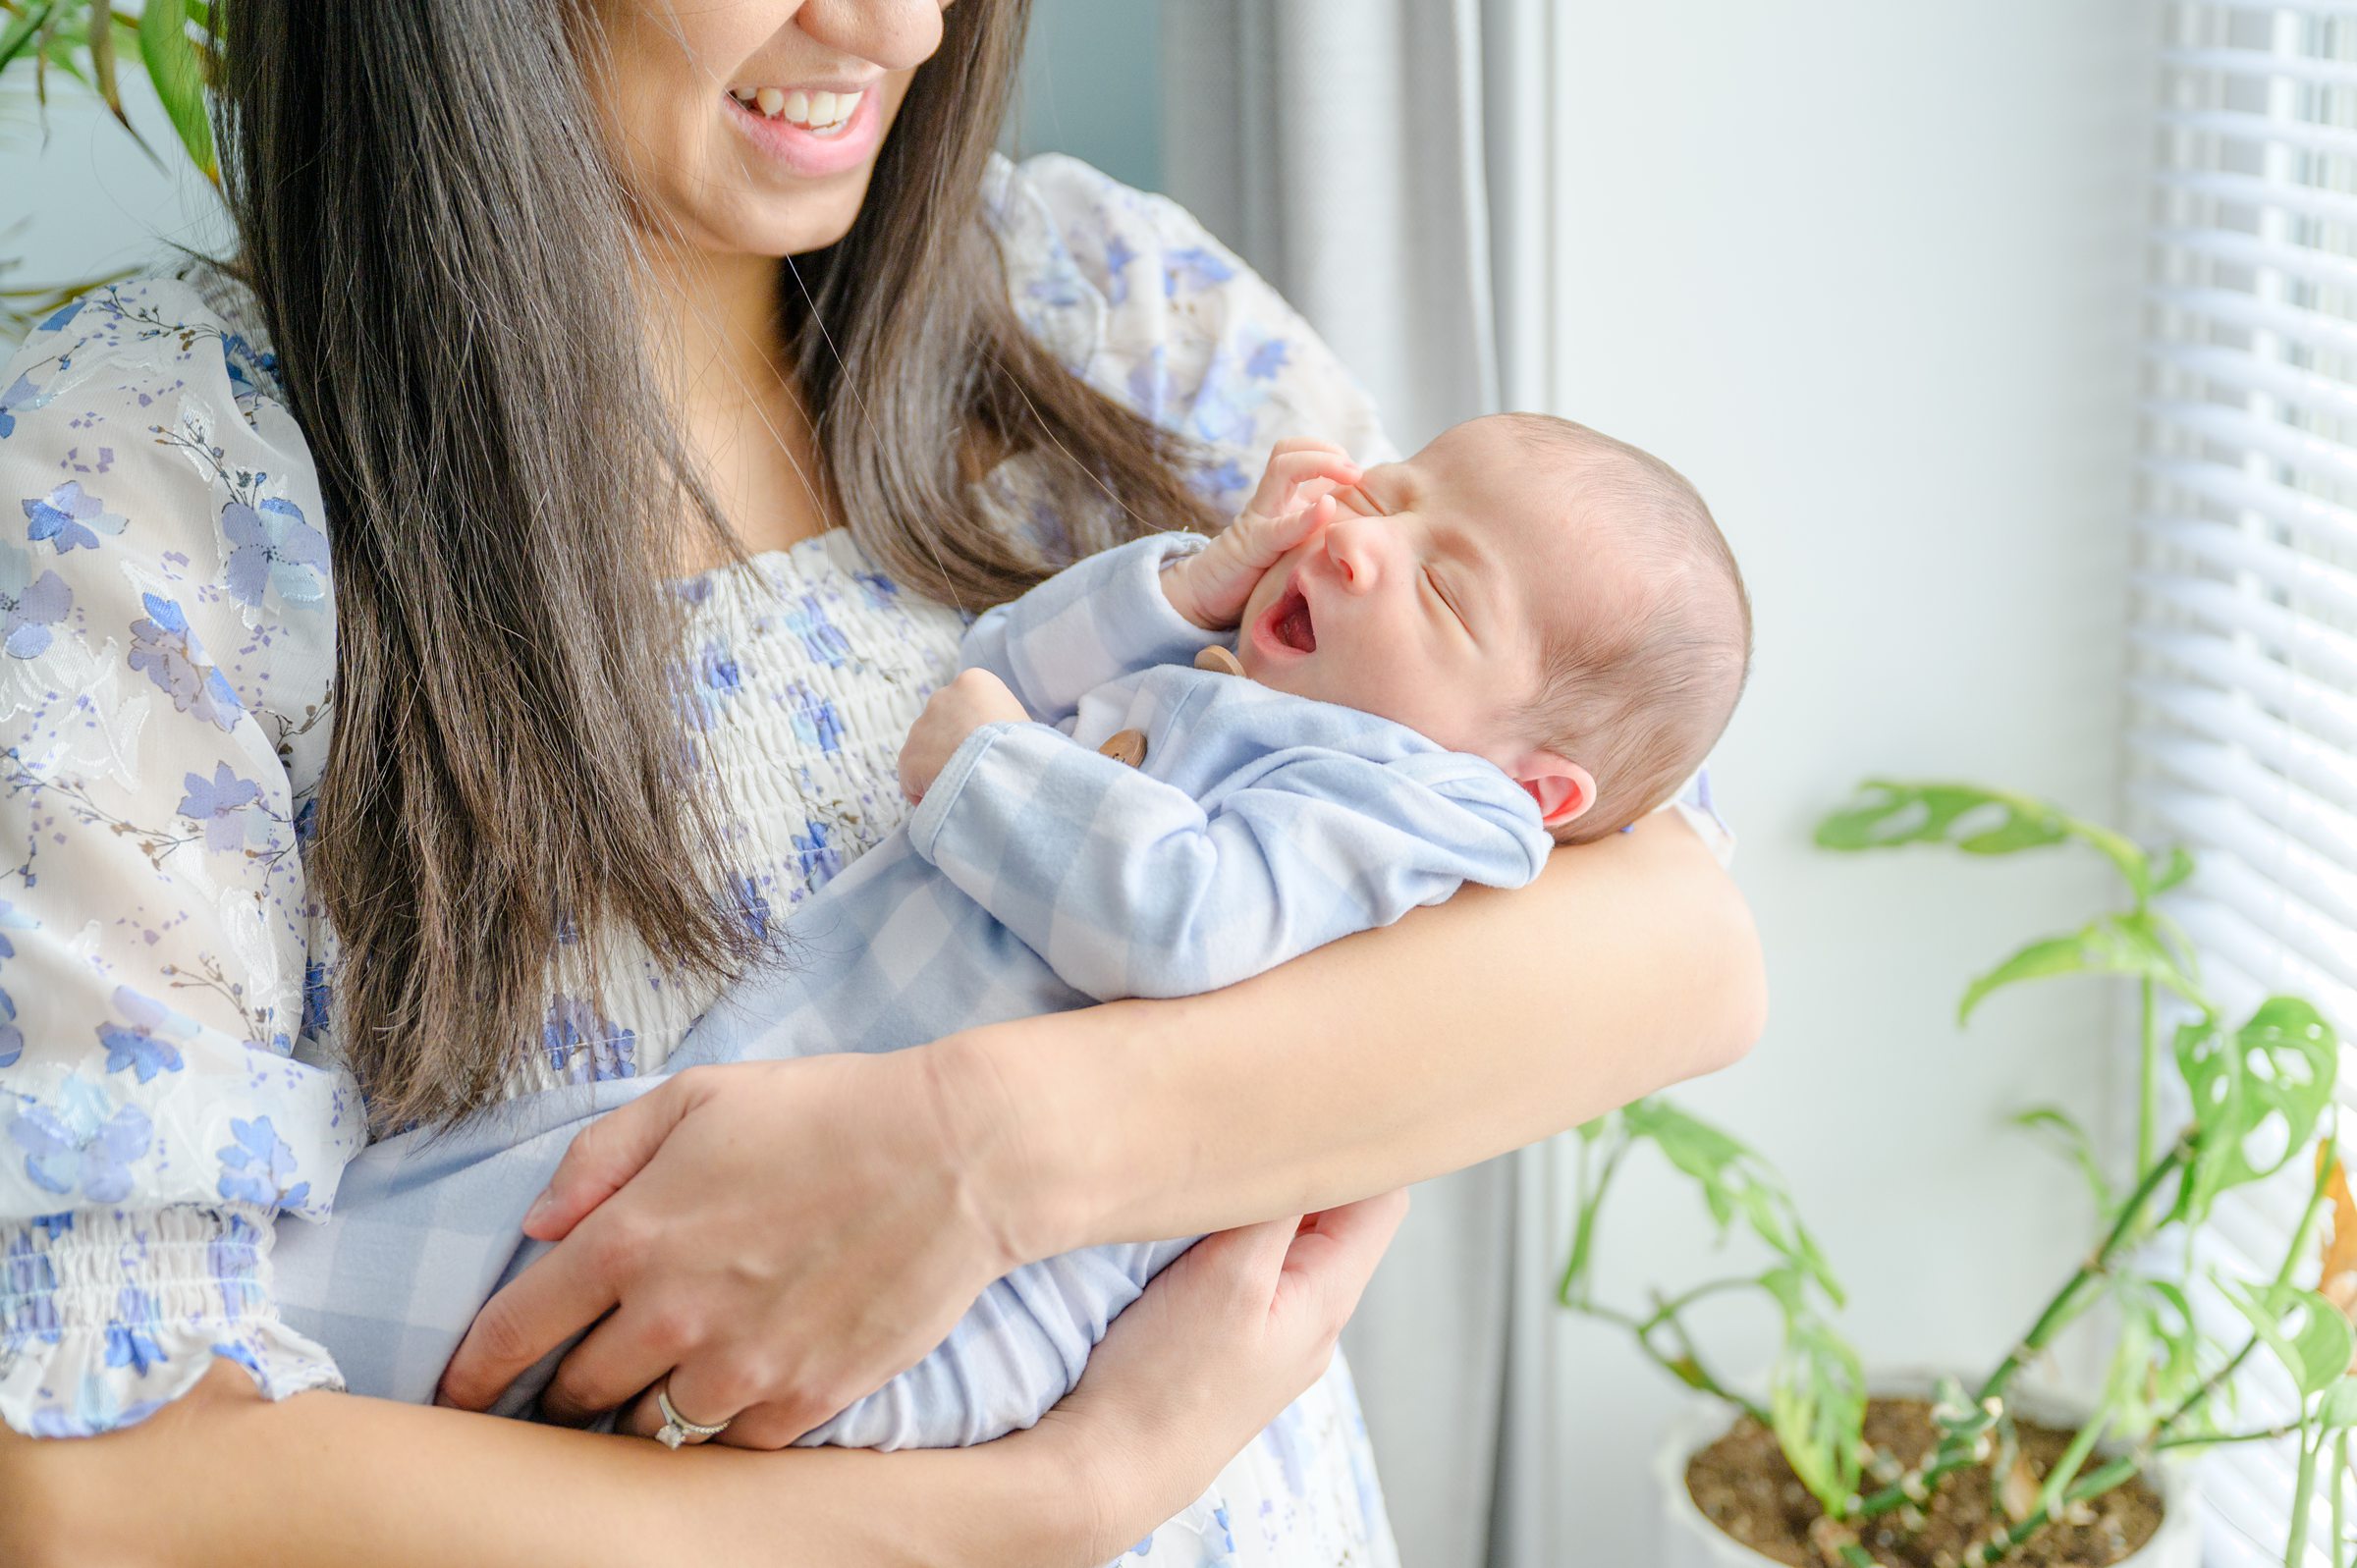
{"x":678,"y":1429}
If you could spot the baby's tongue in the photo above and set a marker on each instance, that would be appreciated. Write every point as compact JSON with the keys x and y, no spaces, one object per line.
{"x":1295,"y":630}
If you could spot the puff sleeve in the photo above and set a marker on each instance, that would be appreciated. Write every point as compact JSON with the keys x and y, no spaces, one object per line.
{"x":167,"y":639}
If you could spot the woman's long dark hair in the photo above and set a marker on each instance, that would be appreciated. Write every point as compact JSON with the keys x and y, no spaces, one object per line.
{"x":447,"y":268}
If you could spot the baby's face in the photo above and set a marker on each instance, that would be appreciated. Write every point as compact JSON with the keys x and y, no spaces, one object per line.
{"x":1429,"y":599}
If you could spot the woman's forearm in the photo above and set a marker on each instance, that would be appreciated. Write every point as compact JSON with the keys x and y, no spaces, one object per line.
{"x":1463,"y":1031}
{"x":349,"y":1483}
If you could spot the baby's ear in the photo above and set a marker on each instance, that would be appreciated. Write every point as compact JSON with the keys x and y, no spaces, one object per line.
{"x":1562,"y":787}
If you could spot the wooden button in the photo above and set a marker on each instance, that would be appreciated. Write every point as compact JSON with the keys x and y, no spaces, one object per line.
{"x":1219,"y":660}
{"x":1128,"y":747}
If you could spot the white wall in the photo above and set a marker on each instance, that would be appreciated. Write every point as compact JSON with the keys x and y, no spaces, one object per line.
{"x":89,"y":202}
{"x":1866,"y":272}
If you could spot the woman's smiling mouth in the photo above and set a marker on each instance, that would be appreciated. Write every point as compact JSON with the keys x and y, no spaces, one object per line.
{"x":812,"y":132}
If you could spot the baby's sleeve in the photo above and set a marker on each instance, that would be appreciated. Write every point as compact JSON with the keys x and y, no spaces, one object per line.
{"x":1102,"y":618}
{"x":166,"y":639}
{"x":1130,"y":886}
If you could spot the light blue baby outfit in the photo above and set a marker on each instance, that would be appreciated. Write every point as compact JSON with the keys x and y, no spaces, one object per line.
{"x":1037,"y":875}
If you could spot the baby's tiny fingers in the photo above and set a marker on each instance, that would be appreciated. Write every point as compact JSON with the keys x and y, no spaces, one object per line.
{"x":1288,"y":470}
{"x":1289,"y":531}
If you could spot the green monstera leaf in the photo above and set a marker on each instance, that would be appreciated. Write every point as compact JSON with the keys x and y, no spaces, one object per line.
{"x":2135,"y":945}
{"x":2279,"y":1066}
{"x":2307,"y":1332}
{"x":1890,"y":812}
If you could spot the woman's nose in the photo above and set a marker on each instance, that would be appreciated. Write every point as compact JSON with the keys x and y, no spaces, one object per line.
{"x":897,"y":35}
{"x":1354,"y":546}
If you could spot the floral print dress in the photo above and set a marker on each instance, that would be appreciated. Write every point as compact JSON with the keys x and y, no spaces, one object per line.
{"x":168,"y":1081}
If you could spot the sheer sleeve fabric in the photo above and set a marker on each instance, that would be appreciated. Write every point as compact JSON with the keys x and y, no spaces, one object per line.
{"x":167,"y":639}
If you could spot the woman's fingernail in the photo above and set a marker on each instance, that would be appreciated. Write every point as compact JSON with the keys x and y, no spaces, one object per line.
{"x":540,"y":1206}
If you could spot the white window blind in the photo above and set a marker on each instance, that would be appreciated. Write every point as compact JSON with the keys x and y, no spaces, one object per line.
{"x":2243,"y":738}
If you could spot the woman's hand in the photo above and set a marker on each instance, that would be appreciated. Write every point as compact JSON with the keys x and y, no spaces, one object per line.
{"x":780,"y":1238}
{"x":1222,"y":1339}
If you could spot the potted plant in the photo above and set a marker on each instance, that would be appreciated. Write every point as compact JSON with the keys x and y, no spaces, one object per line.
{"x":1828,"y":1467}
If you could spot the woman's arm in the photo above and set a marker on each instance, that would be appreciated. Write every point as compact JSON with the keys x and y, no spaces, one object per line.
{"x":321,"y":1479}
{"x":1461,"y":1032}
{"x":801,"y":1230}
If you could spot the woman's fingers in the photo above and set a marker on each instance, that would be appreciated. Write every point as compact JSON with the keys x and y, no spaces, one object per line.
{"x":631,"y":1350}
{"x":1332,"y":1259}
{"x":558,"y":1296}
{"x":605,"y":1155}
{"x":1251,"y":1258}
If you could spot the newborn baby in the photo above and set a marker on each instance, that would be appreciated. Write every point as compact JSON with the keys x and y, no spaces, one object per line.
{"x":1523,"y":590}
{"x":1526,"y":632}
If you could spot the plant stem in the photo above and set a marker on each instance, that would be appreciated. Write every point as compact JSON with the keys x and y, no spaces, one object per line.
{"x":2341,"y":1487}
{"x":2148,"y":1096}
{"x":1583,"y":1235}
{"x":2095,"y":1485}
{"x":2300,"y":1240}
{"x":2205,"y":1439}
{"x":1690,"y":1371}
{"x":2058,"y":1310}
{"x":2066,"y":1468}
{"x":2295,"y":1545}
{"x":1677,"y":1304}
{"x":1950,"y":1455}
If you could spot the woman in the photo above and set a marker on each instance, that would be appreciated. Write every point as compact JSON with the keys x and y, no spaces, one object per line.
{"x":645,"y":550}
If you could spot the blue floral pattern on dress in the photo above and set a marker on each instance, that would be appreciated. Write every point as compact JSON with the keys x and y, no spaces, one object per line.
{"x":70,"y":518}
{"x":584,"y":1048}
{"x":30,"y":606}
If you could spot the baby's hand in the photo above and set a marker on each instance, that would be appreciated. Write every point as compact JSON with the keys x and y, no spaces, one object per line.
{"x":1296,"y":498}
{"x":974,"y":699}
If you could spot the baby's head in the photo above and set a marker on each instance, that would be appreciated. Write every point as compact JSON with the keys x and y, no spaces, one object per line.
{"x":1529,"y":591}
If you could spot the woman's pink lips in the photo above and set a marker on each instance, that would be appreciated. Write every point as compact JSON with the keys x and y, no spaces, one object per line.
{"x":813,"y":155}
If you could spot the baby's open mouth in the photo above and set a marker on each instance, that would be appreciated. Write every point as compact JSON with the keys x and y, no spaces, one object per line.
{"x":1287,"y":625}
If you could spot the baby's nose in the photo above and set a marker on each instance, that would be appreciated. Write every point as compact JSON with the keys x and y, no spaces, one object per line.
{"x":1354,"y":545}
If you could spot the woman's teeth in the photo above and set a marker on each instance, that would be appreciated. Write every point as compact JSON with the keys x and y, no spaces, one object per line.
{"x":820,"y":111}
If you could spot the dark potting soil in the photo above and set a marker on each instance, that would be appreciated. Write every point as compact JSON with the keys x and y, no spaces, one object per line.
{"x":1742,"y":1485}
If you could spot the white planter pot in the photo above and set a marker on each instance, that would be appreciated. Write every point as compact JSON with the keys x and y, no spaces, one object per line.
{"x":1688,"y":1540}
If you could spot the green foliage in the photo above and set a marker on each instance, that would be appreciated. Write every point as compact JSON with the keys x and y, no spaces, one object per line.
{"x":87,"y":41}
{"x":1980,"y":821}
{"x":1735,"y":1184}
{"x":1816,"y":1398}
{"x":177,"y":69}
{"x":2262,"y":1096}
{"x":2279,"y":1065}
{"x":2076,"y":1145}
{"x":2307,"y":1334}
{"x":2156,"y":1358}
{"x":2130,"y":945}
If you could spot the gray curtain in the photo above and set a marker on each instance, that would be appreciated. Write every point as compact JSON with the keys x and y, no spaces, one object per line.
{"x":1336,"y":145}
{"x":1383,"y":163}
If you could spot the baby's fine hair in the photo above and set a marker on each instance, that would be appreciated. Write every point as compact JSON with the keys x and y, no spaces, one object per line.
{"x":1639,"y":698}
